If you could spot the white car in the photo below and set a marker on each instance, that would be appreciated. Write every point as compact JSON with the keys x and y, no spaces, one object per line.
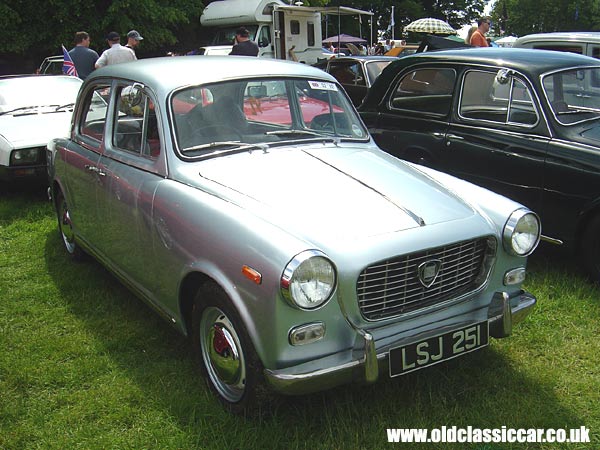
{"x":33,"y":110}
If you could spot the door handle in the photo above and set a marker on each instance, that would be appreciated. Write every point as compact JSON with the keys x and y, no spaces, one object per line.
{"x":455,"y":137}
{"x":95,"y":170}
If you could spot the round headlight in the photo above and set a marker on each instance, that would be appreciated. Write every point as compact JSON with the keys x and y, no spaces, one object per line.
{"x":521,"y":232}
{"x":308,"y":280}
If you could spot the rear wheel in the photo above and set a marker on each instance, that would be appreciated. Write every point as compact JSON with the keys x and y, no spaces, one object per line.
{"x":590,"y":249}
{"x":65,"y":227}
{"x":226,"y":355}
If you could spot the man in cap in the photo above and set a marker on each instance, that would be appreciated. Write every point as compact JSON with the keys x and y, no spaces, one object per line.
{"x":116,"y":53}
{"x":133,"y":39}
{"x":244,"y":46}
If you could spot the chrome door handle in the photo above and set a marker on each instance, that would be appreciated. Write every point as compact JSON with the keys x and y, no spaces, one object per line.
{"x":96,"y":170}
{"x":455,"y":137}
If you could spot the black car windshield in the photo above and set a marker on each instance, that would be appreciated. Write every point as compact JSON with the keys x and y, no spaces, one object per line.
{"x":574,"y":94}
{"x":262,"y":111}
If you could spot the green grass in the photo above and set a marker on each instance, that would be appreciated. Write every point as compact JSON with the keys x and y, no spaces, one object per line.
{"x":85,"y":364}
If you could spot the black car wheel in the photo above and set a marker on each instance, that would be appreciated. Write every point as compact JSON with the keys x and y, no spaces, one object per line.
{"x":226,"y":355}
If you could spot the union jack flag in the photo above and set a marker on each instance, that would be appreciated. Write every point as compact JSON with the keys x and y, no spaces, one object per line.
{"x":68,"y":66}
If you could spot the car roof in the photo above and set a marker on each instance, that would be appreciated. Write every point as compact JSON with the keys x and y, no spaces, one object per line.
{"x":531,"y":62}
{"x":168,"y":73}
{"x":566,"y":36}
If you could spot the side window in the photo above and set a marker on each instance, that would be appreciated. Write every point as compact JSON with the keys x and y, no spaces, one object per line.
{"x":348,"y":73}
{"x":573,"y":48}
{"x":508,"y":101}
{"x":93,"y":119}
{"x":294,"y":27}
{"x":311,"y":34}
{"x":264,"y":38}
{"x":425,"y":90}
{"x":136,"y":125}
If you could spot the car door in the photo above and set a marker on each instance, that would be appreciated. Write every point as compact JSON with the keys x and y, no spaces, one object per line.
{"x":134,"y":165}
{"x":413,"y":118}
{"x":82,"y":177}
{"x":498,"y":137}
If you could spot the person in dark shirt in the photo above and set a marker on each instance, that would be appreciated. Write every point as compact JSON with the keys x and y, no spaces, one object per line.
{"x":83,"y":57}
{"x":244,"y":46}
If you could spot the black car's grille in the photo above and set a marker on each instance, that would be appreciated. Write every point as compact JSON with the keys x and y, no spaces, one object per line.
{"x":393,"y":287}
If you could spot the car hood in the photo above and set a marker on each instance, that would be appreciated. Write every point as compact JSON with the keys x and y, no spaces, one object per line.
{"x":346,"y":192}
{"x":34,"y":129}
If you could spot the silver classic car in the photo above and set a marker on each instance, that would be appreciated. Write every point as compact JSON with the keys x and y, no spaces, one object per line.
{"x":245,"y":201}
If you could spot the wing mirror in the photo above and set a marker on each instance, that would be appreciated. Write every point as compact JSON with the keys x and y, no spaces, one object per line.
{"x":132,"y":95}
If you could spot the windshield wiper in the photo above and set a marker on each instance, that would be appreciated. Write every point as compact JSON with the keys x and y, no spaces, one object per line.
{"x":577,"y":111}
{"x":212,"y":145}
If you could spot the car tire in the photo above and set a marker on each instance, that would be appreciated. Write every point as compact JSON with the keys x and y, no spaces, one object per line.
{"x":590,"y":249}
{"x":65,"y":227}
{"x":225,"y":352}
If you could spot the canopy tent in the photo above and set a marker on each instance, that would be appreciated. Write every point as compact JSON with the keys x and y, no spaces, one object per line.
{"x":344,"y":39}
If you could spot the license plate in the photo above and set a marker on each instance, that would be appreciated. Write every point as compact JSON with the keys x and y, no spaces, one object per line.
{"x":439,"y":348}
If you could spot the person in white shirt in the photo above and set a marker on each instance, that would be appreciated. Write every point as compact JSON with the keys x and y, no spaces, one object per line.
{"x":116,"y":53}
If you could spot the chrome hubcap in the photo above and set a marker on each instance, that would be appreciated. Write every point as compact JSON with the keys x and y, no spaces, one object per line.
{"x":66,"y":227}
{"x":222,"y":354}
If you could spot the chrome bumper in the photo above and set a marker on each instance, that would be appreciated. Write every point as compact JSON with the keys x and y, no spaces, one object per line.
{"x":503,"y":313}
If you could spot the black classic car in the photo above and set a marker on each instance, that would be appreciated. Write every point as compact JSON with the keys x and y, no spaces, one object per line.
{"x":524,"y":123}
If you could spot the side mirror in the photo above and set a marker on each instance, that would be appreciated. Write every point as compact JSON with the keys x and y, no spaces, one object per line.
{"x":257,"y":91}
{"x":132,"y":95}
{"x":503,"y":76}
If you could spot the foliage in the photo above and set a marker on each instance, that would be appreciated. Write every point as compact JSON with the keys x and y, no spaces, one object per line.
{"x":521,"y":17}
{"x":162,"y":23}
{"x":85,"y":365}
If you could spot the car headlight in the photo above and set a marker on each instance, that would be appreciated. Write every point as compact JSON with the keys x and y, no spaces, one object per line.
{"x":521,"y":233}
{"x":308,"y":280}
{"x":25,"y":156}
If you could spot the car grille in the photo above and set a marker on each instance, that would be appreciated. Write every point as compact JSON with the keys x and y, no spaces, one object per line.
{"x":392,"y":287}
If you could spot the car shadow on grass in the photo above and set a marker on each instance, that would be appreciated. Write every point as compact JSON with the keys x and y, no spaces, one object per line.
{"x":485,"y":389}
{"x":16,"y":199}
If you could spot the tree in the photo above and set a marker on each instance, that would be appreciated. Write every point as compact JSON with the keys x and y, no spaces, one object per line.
{"x":39,"y":29}
{"x":520,"y":17}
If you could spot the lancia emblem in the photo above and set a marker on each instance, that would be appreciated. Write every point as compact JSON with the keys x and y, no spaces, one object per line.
{"x":428,"y":271}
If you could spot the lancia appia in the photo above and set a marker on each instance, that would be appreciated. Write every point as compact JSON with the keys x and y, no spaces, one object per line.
{"x":245,"y":201}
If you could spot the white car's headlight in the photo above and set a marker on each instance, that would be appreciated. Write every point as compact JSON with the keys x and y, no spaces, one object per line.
{"x":521,"y":233}
{"x":308,"y":280}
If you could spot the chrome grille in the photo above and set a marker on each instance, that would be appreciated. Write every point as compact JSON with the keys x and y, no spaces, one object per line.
{"x":392,"y":287}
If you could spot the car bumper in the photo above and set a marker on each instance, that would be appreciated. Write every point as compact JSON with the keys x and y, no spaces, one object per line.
{"x":503,"y":312}
{"x":16,"y":173}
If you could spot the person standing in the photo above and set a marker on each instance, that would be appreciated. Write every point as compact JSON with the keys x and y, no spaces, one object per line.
{"x":133,"y":40}
{"x":478,"y":37}
{"x":116,"y":53}
{"x":82,"y":55}
{"x":244,"y":46}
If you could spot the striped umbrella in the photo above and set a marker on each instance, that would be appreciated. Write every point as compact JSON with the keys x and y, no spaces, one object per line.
{"x":431,"y":26}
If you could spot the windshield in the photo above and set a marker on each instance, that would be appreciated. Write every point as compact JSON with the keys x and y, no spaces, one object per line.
{"x":262,"y":112}
{"x":374,"y":69}
{"x":225,"y":36}
{"x":574,"y":94}
{"x":35,"y":91}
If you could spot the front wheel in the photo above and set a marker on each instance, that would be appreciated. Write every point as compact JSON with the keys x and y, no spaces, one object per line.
{"x":226,"y":355}
{"x":590,"y":249}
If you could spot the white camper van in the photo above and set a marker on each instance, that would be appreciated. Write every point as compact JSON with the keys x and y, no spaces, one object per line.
{"x":280,"y":30}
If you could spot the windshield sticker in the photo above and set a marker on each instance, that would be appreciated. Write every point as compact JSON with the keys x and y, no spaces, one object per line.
{"x":323,"y":85}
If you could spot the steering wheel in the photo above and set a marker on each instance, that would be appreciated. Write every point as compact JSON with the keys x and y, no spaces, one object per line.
{"x":322,"y":122}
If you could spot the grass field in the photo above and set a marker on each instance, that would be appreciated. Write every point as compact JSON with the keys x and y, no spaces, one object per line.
{"x":85,"y":364}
